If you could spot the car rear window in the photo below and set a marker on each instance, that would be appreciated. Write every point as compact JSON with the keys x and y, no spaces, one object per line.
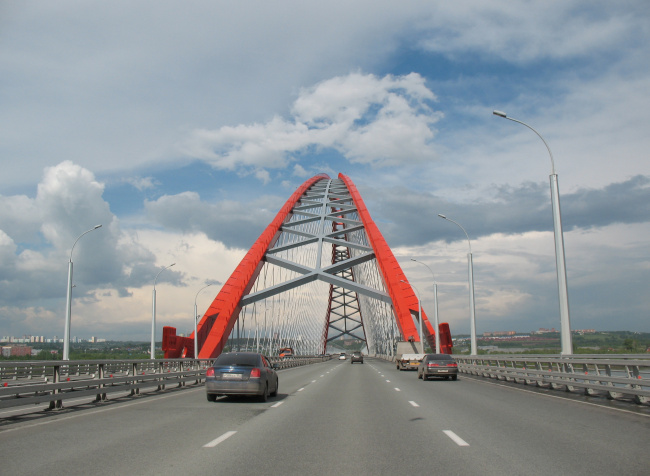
{"x":247,"y":360}
{"x":440,"y":357}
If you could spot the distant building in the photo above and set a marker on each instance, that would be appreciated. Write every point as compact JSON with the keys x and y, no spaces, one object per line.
{"x":499,"y":334}
{"x":16,"y":350}
{"x":545,"y":331}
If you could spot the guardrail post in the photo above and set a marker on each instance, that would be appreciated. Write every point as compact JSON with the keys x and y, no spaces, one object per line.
{"x":567,"y":368}
{"x":134,"y":372}
{"x":636,"y":374}
{"x":610,"y":394}
{"x":56,"y":404}
{"x":585,"y":369}
{"x":100,"y":371}
{"x":181,"y":368}
{"x":161,"y":370}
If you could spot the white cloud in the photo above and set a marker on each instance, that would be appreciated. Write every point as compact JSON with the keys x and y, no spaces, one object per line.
{"x":299,"y":171}
{"x":377,"y":121}
{"x":520,"y":32}
{"x":142,"y":183}
{"x":269,"y":93}
{"x":113,"y":269}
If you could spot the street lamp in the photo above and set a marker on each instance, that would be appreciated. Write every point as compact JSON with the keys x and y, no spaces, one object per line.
{"x":153,"y":313}
{"x":196,"y":318}
{"x":68,"y":304}
{"x":560,"y":263}
{"x":436,"y":323}
{"x":417,"y":293}
{"x":472,"y":306}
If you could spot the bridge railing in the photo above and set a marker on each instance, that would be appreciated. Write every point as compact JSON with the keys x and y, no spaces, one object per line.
{"x":620,"y":376}
{"x":33,"y":382}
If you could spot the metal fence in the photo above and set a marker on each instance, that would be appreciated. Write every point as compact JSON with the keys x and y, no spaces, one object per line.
{"x":51,"y":382}
{"x":617,"y":377}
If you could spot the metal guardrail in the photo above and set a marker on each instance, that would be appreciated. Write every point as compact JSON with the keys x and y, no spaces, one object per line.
{"x":615,"y":376}
{"x":33,"y":382}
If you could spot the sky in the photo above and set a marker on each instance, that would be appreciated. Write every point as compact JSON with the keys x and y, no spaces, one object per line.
{"x":183,"y":127}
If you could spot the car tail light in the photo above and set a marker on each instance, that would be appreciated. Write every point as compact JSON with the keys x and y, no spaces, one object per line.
{"x":453,"y":364}
{"x":210,"y":372}
{"x":256,"y":373}
{"x":430,"y":364}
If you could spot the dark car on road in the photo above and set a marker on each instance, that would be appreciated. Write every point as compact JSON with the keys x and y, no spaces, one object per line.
{"x":241,"y":373}
{"x":356,"y":357}
{"x":438,"y":365}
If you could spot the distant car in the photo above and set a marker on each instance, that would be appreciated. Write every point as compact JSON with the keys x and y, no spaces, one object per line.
{"x":438,"y":365}
{"x":241,"y":373}
{"x":356,"y":357}
{"x":342,"y":356}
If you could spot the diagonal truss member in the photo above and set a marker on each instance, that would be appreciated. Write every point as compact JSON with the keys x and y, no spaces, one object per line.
{"x":323,"y":234}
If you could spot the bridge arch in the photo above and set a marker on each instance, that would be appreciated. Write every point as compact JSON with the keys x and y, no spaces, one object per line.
{"x":320,"y":270}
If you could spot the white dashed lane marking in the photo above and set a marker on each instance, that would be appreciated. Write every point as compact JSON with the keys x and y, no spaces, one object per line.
{"x":455,"y":438}
{"x":221,"y":439}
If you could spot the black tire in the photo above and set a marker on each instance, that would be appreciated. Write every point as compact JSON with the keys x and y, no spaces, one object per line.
{"x":212,"y":397}
{"x":419,"y":375}
{"x":274,"y":393}
{"x":425,"y":377}
{"x":265,"y":394}
{"x":454,"y":377}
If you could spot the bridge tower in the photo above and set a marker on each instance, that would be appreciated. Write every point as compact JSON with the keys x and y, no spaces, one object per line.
{"x":321,"y":270}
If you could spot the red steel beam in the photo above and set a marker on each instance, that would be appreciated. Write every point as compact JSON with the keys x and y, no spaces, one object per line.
{"x":221,"y":316}
{"x":405,"y":301}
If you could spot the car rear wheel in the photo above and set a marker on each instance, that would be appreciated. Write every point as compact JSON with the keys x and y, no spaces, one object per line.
{"x":274,"y":393}
{"x":454,"y":377}
{"x":425,"y":377}
{"x":212,"y":397}
{"x":265,"y":394}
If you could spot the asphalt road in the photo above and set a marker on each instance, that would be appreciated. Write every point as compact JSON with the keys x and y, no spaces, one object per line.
{"x":334,"y":418}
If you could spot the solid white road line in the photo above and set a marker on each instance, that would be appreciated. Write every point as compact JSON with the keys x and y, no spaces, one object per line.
{"x":222,"y":438}
{"x":456,"y":439}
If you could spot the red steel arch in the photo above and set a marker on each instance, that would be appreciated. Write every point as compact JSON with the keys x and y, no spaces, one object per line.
{"x":220,"y":318}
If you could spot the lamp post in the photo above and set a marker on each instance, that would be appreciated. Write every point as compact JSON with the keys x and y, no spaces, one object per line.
{"x":196,"y":318}
{"x":560,"y":262}
{"x":153,"y":313}
{"x":68,"y":304}
{"x":436,"y":322}
{"x":417,"y":293}
{"x":472,"y":306}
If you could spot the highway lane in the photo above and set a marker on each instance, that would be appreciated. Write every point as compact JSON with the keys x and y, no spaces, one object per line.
{"x":336,"y":418}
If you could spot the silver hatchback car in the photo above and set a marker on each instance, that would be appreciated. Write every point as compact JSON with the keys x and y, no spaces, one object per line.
{"x":241,"y":373}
